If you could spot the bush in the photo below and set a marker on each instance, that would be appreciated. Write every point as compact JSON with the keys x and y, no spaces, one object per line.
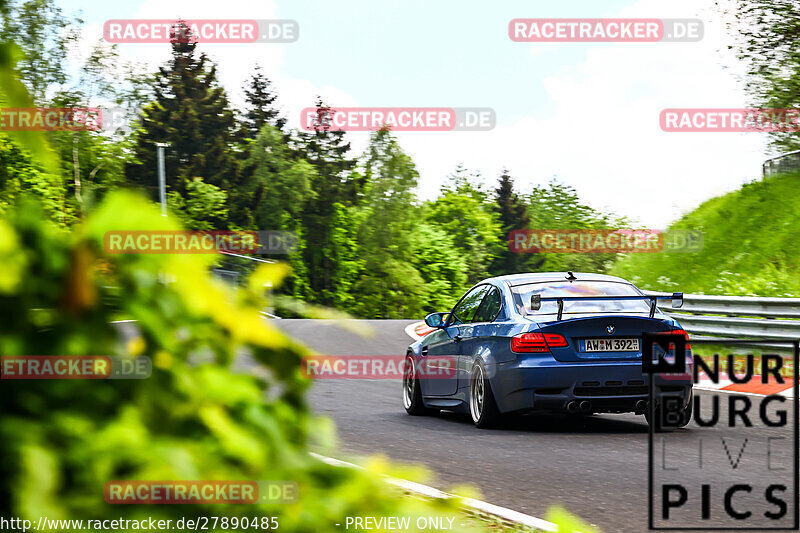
{"x":194,"y":418}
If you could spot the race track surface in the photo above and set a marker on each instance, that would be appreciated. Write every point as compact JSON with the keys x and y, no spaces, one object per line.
{"x":594,"y":466}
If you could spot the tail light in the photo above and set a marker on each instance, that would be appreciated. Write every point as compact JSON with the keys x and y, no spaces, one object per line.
{"x":554,"y":340}
{"x":687,"y":374}
{"x":537,"y":342}
{"x":681,"y":332}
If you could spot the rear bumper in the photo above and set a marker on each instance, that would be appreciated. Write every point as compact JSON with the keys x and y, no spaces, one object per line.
{"x":544,"y":384}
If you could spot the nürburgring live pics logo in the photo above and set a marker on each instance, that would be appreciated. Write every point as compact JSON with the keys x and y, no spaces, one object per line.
{"x":734,"y":470}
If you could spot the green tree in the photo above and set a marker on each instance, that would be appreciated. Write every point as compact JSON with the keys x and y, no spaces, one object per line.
{"x":766,"y":37}
{"x":92,"y":163}
{"x":513,"y":215}
{"x":334,"y":183}
{"x":464,"y":211}
{"x":279,"y":186}
{"x":443,"y":269}
{"x":268,"y":155}
{"x":89,"y":163}
{"x":558,"y":206}
{"x":260,"y":105}
{"x":390,"y":286}
{"x":106,"y":76}
{"x":20,"y":177}
{"x":202,"y":207}
{"x":347,"y":260}
{"x":274,"y":195}
{"x":191,"y":113}
{"x":91,"y":166}
{"x":44,"y":35}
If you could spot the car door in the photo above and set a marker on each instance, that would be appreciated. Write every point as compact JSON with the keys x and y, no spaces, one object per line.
{"x":475,"y":334}
{"x":442,"y":383}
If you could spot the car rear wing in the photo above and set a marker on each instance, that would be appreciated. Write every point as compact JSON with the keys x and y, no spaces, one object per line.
{"x":536,"y":301}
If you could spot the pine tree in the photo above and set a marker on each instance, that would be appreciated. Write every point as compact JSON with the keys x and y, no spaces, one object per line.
{"x":261,"y":108}
{"x":334,"y":184}
{"x":261,"y":112}
{"x":513,"y":215}
{"x":191,"y":113}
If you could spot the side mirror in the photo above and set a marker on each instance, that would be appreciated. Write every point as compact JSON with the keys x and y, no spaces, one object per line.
{"x":677,"y":300}
{"x":436,"y":320}
{"x":536,"y":302}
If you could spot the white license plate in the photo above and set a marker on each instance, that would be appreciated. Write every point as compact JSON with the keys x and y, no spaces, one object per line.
{"x":621,"y":344}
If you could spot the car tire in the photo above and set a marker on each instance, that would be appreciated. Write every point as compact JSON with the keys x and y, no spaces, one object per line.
{"x":482,"y":407}
{"x":687,"y":413}
{"x":412,"y":394}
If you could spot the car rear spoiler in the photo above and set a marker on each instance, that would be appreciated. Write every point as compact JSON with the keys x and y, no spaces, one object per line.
{"x":536,"y":301}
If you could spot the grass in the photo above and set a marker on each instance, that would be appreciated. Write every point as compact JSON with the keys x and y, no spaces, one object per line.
{"x":749,"y":249}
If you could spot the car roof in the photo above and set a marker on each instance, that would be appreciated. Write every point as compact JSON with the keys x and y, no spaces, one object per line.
{"x":534,"y":277}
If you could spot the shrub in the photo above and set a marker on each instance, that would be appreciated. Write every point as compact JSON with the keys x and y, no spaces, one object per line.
{"x":194,"y":418}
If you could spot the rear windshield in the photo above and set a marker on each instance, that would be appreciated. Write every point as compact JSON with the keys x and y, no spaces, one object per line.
{"x":553,"y":289}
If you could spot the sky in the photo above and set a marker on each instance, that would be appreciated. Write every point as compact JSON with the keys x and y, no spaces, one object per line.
{"x":586,"y":114}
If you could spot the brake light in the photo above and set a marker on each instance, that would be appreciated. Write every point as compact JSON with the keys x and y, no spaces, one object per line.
{"x":537,"y":342}
{"x":555,"y":341}
{"x":681,"y":332}
{"x":529,"y":342}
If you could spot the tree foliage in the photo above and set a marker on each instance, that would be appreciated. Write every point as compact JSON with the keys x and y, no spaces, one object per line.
{"x":464,"y":211}
{"x":365,"y":243}
{"x":766,"y":37}
{"x":334,"y":185}
{"x":558,"y":206}
{"x":512,"y":215}
{"x":261,"y":105}
{"x":390,"y":286}
{"x":190,"y":112}
{"x":44,"y":35}
{"x":61,"y":441}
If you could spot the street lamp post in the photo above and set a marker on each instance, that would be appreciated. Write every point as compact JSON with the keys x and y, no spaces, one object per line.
{"x":162,"y":180}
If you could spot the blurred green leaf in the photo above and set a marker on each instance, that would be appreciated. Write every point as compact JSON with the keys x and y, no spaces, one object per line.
{"x":14,"y":94}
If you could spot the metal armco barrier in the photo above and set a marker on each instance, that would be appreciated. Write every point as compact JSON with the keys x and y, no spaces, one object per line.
{"x":788,"y":162}
{"x":736,"y":316}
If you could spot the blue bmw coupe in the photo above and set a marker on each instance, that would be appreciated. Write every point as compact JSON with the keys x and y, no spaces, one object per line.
{"x":546,"y":342}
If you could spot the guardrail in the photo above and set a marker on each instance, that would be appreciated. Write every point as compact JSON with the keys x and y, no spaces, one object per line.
{"x":730,"y":317}
{"x":232,"y":276}
{"x":788,"y":162}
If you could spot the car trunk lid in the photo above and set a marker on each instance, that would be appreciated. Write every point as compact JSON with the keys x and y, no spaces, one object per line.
{"x":602,"y":338}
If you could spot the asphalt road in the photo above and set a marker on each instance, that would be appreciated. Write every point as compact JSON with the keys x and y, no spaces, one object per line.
{"x":597,"y":467}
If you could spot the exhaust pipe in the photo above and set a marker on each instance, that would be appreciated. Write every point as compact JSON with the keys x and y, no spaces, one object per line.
{"x":572,"y":407}
{"x":586,"y":406}
{"x":641,"y":406}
